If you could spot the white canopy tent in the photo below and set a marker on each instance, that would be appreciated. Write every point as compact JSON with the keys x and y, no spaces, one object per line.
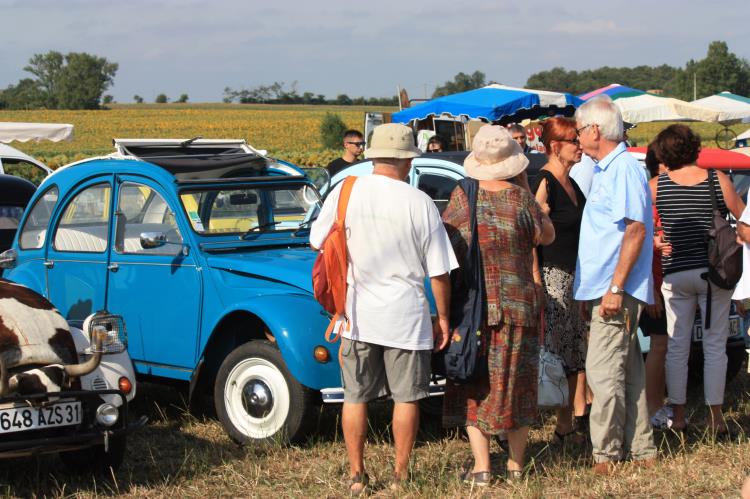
{"x":24,"y":132}
{"x":648,"y":107}
{"x":731,"y":107}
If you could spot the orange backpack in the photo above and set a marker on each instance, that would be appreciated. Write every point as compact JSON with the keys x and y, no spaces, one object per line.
{"x":330,"y":269}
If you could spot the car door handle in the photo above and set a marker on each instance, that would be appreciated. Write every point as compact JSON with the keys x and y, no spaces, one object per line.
{"x":49,"y":264}
{"x":113,"y":267}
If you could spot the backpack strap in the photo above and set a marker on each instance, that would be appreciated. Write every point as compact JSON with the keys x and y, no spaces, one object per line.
{"x":712,"y":189}
{"x":346,"y":192}
{"x":344,"y":195}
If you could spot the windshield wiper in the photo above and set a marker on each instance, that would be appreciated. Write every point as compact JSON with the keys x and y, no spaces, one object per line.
{"x":304,"y":225}
{"x":266,"y":225}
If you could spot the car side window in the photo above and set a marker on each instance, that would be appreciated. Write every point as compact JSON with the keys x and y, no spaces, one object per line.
{"x":84,"y":226}
{"x":34,"y":230}
{"x":438,"y":187}
{"x":141,"y":209}
{"x":24,"y":169}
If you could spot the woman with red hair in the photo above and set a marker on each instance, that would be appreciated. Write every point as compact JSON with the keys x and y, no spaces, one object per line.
{"x":564,"y":327}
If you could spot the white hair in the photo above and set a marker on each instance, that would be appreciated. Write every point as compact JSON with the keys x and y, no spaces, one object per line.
{"x":601,"y":111}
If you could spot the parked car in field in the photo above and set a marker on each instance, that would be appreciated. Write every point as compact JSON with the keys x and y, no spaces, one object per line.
{"x":202,"y":246}
{"x":64,"y":386}
{"x":438,"y":173}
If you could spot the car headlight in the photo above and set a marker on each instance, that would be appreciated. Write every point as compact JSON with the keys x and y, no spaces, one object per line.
{"x":116,"y":339}
{"x":107,"y":415}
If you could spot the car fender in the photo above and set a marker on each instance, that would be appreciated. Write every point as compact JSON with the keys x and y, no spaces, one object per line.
{"x":298,"y":324}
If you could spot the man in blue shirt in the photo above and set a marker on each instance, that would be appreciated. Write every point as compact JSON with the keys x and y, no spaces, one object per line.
{"x":613,"y":275}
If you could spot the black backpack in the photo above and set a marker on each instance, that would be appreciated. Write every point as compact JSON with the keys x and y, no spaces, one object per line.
{"x":461,"y":361}
{"x":724,"y":254}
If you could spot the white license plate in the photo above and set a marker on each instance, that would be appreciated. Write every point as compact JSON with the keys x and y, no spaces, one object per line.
{"x":32,"y":418}
{"x":734,"y":328}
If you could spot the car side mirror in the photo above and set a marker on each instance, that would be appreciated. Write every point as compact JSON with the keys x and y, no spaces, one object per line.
{"x":8,"y":259}
{"x":320,"y":177}
{"x":150,"y":240}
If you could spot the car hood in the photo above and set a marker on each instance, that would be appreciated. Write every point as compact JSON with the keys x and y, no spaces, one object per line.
{"x":292,"y":266}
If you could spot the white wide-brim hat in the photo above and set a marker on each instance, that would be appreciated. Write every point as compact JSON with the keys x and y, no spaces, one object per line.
{"x":392,"y":140}
{"x":495,"y":155}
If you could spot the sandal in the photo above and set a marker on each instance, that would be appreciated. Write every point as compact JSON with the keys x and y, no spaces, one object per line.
{"x":572,"y":434}
{"x":479,"y":478}
{"x":362,"y":479}
{"x":397,"y":482}
{"x":514,"y":475}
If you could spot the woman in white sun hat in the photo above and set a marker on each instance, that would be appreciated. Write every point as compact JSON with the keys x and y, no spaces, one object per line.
{"x":510,"y":224}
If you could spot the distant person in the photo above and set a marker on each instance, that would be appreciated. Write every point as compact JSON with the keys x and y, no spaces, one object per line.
{"x":354,"y":144}
{"x":613,"y":277}
{"x":565,"y":330}
{"x":436,"y":144}
{"x":683,"y":201}
{"x":510,"y":224}
{"x":519,"y":135}
{"x":395,"y":239}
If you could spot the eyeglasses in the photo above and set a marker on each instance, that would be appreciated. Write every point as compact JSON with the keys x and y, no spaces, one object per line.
{"x":574,"y":141}
{"x":358,"y":144}
{"x":584,"y":127}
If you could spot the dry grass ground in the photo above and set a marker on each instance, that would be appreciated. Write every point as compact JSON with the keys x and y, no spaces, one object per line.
{"x":177,"y":455}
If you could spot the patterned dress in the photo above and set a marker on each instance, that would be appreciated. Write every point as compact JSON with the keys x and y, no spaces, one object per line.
{"x":506,"y":398}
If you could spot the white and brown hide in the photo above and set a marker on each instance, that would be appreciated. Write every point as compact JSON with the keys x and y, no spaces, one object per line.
{"x":34,"y":334}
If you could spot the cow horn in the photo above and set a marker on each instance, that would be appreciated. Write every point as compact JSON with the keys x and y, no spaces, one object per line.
{"x":4,"y":388}
{"x":97,"y":336}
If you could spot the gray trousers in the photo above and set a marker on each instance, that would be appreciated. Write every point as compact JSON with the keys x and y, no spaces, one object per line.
{"x":615,"y":372}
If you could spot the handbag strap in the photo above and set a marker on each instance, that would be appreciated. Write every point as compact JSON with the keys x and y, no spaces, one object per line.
{"x":712,"y":189}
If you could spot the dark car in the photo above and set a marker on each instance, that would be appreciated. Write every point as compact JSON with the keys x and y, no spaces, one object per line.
{"x":15,"y":193}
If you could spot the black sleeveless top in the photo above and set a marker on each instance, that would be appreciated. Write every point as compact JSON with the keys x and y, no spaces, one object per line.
{"x":566,"y":217}
{"x":686,"y":215}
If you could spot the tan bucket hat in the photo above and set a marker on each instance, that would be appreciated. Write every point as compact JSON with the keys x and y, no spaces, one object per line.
{"x":392,"y":140}
{"x":495,"y":155}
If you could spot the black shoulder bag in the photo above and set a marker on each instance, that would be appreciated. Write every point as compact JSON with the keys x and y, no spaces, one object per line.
{"x":724,"y":254}
{"x":461,"y":361}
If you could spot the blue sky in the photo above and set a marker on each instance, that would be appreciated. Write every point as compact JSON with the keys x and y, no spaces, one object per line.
{"x":358,"y":48}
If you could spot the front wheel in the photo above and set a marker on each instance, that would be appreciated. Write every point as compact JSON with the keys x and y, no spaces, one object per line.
{"x":256,"y":397}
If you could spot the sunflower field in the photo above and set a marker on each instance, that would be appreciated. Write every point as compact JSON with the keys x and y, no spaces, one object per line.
{"x":286,"y":132}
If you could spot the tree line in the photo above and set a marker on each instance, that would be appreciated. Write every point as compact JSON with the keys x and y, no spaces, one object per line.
{"x":277,"y":93}
{"x":721,"y":70}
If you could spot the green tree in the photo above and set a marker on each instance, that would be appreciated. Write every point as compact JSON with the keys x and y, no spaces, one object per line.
{"x":108,"y":99}
{"x":462,"y":82}
{"x":48,"y":69}
{"x":343,"y":100}
{"x":26,"y":94}
{"x":183,"y":98}
{"x":721,"y":70}
{"x":332,"y":129}
{"x":76,"y":80}
{"x":161,"y":99}
{"x":138,"y":99}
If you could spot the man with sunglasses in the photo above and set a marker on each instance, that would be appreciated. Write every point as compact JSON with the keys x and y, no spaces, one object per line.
{"x":354,"y":144}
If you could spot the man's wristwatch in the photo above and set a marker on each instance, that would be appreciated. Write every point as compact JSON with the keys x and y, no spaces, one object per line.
{"x":616,"y":290}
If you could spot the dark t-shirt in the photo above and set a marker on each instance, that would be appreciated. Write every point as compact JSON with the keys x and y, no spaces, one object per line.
{"x":566,"y":217}
{"x":337,"y":165}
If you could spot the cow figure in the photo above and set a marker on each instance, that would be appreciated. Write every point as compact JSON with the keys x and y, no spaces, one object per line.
{"x":37,"y":351}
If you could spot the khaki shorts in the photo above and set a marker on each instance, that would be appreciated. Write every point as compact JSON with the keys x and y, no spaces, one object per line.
{"x":370,"y":371}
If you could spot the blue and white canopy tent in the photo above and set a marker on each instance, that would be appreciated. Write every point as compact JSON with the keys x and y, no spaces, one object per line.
{"x":494,"y":103}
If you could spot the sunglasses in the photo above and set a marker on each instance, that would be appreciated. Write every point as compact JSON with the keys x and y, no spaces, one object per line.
{"x":358,"y":144}
{"x":572,"y":141}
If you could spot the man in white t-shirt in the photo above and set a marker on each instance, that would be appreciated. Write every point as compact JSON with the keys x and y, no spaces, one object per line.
{"x":395,"y":238}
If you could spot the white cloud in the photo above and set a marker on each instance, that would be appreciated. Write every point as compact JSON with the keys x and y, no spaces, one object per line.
{"x":592,"y":27}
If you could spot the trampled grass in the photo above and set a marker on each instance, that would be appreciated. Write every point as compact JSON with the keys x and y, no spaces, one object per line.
{"x":177,"y":455}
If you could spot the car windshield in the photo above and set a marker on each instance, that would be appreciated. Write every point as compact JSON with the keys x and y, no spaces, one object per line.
{"x":249,"y":209}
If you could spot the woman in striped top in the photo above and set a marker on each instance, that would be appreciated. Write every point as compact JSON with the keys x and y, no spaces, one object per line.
{"x":683,"y":201}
